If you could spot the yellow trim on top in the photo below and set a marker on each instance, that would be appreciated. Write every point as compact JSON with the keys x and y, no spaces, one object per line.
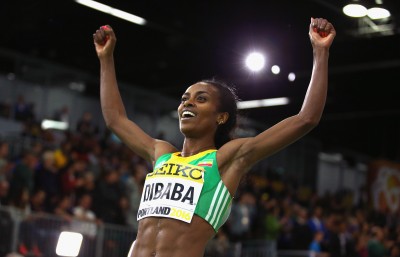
{"x":176,"y":156}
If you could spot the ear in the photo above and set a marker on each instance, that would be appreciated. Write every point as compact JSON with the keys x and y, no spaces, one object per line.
{"x":222,"y":118}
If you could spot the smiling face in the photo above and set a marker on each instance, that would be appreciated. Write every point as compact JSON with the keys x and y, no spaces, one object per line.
{"x":198,"y":111}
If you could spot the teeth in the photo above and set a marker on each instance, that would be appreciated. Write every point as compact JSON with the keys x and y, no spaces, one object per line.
{"x":186,"y":114}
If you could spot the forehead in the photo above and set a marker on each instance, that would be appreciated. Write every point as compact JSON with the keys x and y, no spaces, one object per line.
{"x":201,"y":87}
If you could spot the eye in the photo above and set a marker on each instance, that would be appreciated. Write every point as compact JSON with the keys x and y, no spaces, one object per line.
{"x":183,"y":99}
{"x":201,"y":98}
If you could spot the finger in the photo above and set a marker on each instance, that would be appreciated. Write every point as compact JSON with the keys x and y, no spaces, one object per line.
{"x":104,"y":30}
{"x":98,"y":37}
{"x":322,"y":24}
{"x":313,"y":25}
{"x":108,"y":30}
{"x":331,"y":30}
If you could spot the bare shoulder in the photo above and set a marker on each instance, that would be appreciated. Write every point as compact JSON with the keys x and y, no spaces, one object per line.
{"x":163,"y":147}
{"x":228,"y":153}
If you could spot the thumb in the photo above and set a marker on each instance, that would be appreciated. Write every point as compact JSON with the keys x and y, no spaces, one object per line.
{"x":312,"y":25}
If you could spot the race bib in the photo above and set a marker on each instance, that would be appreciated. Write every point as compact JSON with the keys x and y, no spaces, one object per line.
{"x":172,"y":191}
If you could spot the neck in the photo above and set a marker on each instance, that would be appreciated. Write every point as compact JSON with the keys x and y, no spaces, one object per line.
{"x":191,"y":148}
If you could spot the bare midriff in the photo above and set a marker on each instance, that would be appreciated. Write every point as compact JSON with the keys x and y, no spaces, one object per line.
{"x":164,"y":237}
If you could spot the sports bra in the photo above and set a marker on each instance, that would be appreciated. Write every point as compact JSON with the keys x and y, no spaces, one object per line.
{"x":181,"y":186}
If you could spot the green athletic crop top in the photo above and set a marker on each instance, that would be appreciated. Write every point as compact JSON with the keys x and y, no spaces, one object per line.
{"x":180,"y":186}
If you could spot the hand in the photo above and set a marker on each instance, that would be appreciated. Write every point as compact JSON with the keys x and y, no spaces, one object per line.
{"x":321,"y":33}
{"x":104,"y":40}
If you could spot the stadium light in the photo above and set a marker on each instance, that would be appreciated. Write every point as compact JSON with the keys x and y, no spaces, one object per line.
{"x":263,"y":103}
{"x":355,"y":10}
{"x":255,"y":61}
{"x":377,"y":13}
{"x":112,"y":11}
{"x":275,"y":69}
{"x":292,"y":77}
{"x":69,"y":244}
{"x":54,"y":124}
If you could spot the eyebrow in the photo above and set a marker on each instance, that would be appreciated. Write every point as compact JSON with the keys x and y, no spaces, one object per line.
{"x":197,"y":93}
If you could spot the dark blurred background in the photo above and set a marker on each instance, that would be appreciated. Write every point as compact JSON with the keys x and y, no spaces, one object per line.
{"x":185,"y":41}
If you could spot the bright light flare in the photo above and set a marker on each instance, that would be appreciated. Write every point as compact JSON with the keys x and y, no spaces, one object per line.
{"x":112,"y":11}
{"x":377,"y":13}
{"x":54,"y":124}
{"x":355,"y":10}
{"x":263,"y":103}
{"x":255,"y":61}
{"x":69,"y":244}
{"x":292,"y":77}
{"x":275,"y":69}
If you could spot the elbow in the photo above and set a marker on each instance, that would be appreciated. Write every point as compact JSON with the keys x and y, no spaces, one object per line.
{"x":111,"y":118}
{"x":110,"y":123}
{"x":312,"y":123}
{"x":309,"y":123}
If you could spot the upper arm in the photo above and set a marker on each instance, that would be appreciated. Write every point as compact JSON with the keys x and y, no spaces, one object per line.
{"x":139,"y":141}
{"x":245,"y":152}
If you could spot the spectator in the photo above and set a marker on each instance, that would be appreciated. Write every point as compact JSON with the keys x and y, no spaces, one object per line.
{"x":47,"y":178}
{"x":87,"y":185}
{"x":341,"y":243}
{"x":37,"y":201}
{"x":219,"y":245}
{"x":376,"y":247}
{"x":22,"y":110}
{"x":395,"y":250}
{"x":23,"y":175}
{"x":95,"y":156}
{"x":122,"y":210}
{"x":315,"y":246}
{"x":362,"y":245}
{"x":5,"y":165}
{"x":316,"y":222}
{"x":301,"y":232}
{"x":5,"y":109}
{"x":19,"y":204}
{"x":86,"y":218}
{"x":21,"y":211}
{"x":273,"y":226}
{"x":134,"y":185}
{"x":4,"y":188}
{"x":62,"y":154}
{"x":71,"y":178}
{"x":107,"y":197}
{"x":86,"y":126}
{"x":85,"y":222}
{"x":62,"y":114}
{"x":64,"y":208}
{"x":241,"y":219}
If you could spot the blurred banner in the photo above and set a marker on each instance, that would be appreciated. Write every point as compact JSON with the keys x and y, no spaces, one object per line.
{"x":384,"y":185}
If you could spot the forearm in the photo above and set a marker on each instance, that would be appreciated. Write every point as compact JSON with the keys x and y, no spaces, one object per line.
{"x":315,"y":98}
{"x":110,"y":97}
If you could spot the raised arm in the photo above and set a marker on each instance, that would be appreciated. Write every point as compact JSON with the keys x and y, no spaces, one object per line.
{"x":247,"y":151}
{"x":112,"y":106}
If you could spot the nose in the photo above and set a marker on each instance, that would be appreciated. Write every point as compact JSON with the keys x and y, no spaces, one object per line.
{"x":188,"y":103}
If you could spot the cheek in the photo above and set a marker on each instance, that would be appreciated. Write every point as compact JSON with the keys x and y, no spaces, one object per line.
{"x":178,"y":110}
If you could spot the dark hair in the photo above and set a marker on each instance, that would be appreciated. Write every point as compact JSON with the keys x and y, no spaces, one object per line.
{"x":227,"y":103}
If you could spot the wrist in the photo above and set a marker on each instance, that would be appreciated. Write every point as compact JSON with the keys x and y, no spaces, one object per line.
{"x":321,"y":55}
{"x":106,"y":59}
{"x":320,"y":52}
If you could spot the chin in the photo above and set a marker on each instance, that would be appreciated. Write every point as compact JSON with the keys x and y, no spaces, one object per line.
{"x":187,"y":129}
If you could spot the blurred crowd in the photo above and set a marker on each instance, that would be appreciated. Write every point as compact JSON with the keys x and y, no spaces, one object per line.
{"x":86,"y":175}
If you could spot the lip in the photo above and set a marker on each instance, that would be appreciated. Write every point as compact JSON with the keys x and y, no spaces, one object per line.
{"x":187,"y":118}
